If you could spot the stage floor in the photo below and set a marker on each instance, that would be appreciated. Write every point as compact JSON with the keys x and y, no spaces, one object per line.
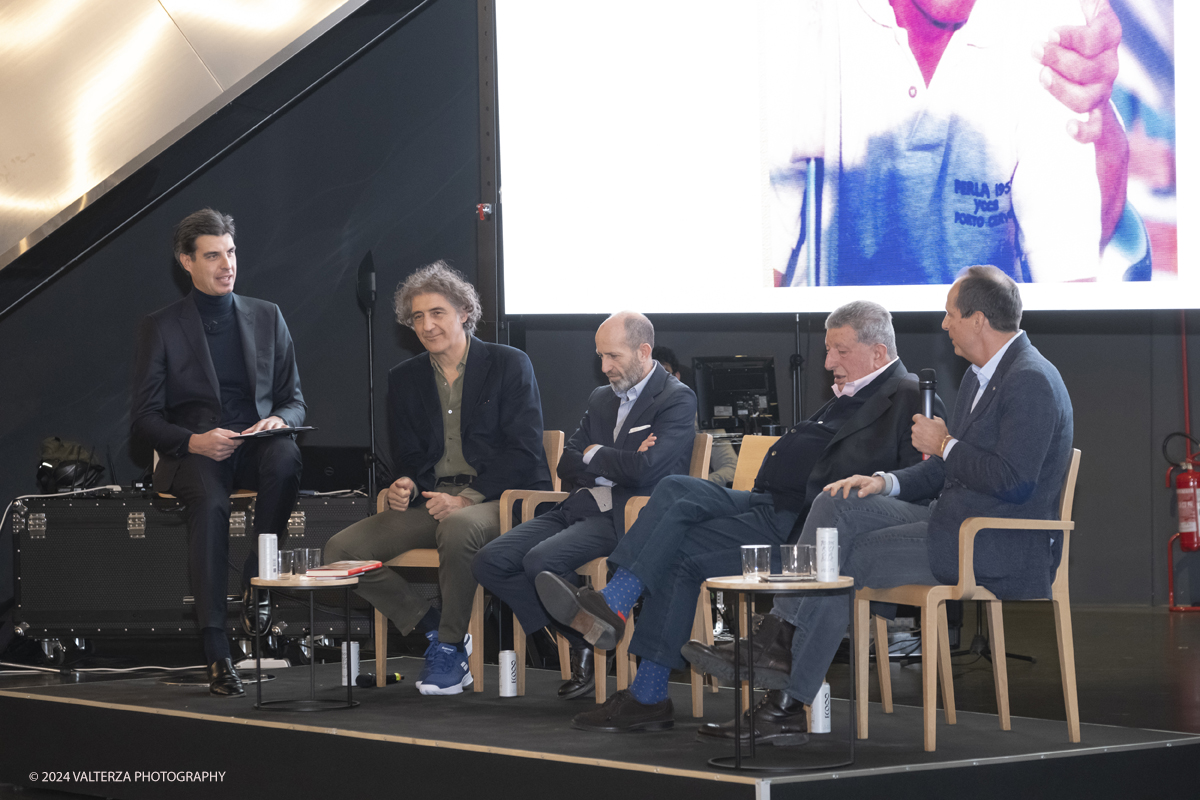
{"x":527,"y":734}
{"x":1139,"y":701}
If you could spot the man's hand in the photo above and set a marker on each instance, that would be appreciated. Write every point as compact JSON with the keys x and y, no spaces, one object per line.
{"x":441,"y":505}
{"x":866,"y":485}
{"x":268,"y":424}
{"x":1081,"y":66}
{"x":928,"y":434}
{"x":647,"y":443}
{"x":215,"y":444}
{"x":399,"y":493}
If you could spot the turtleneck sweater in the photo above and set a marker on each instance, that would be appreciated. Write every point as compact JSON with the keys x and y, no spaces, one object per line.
{"x":225,"y":348}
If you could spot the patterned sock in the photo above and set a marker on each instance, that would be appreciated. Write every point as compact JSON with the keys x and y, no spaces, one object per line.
{"x":650,"y":685}
{"x":622,"y":592}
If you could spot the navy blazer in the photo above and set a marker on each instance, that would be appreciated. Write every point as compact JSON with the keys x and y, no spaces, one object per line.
{"x":878,"y":438}
{"x":1011,"y":459}
{"x":501,"y":424}
{"x":666,"y":408}
{"x":175,"y":388}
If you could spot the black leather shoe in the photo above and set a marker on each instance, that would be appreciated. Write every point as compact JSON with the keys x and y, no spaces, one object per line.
{"x":583,"y":675}
{"x":778,"y":719}
{"x":772,"y":655}
{"x":582,"y":610}
{"x":223,"y":679}
{"x":621,"y":713}
{"x":263,"y":616}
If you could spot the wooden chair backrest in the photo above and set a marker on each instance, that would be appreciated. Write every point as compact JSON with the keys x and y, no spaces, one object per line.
{"x":750,"y":458}
{"x":1066,"y":505}
{"x":701,"y":453}
{"x":552,"y":443}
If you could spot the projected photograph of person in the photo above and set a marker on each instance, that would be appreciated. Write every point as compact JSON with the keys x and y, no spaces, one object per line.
{"x":916,"y":137}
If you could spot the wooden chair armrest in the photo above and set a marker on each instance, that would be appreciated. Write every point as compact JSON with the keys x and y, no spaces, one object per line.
{"x":971,"y":526}
{"x":633,"y":507}
{"x":532,"y":499}
{"x":381,"y":501}
{"x":509,"y":499}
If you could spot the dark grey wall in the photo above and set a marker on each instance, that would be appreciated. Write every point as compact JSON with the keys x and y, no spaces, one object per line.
{"x":383,"y":158}
{"x":1122,"y":369}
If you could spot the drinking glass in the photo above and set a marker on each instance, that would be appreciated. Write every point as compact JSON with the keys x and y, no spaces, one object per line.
{"x":756,"y":560}
{"x":286,"y":561}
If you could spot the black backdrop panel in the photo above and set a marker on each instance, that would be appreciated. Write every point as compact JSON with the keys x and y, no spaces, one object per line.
{"x":382,"y":158}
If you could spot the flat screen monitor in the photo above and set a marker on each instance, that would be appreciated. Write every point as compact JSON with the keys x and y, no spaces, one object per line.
{"x":735,"y":392}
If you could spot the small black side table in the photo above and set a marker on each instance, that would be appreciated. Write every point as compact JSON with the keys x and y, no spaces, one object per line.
{"x":310,"y":585}
{"x":753,"y":586}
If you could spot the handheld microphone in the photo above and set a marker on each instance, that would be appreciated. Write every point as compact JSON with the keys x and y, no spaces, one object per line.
{"x":366,"y":680}
{"x":366,"y":282}
{"x":928,"y":386}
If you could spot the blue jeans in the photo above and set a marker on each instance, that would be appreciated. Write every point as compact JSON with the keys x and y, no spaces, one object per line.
{"x":691,"y":530}
{"x":881,"y":544}
{"x":559,"y":541}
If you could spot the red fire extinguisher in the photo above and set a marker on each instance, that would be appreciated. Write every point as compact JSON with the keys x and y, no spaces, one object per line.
{"x":1187,"y":494}
{"x":1186,"y":484}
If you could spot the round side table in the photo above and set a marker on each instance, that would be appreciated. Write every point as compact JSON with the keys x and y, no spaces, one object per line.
{"x":752,"y":587}
{"x":310,"y":585}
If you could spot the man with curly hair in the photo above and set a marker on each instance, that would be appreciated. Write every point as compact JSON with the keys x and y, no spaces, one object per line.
{"x":465,"y":423}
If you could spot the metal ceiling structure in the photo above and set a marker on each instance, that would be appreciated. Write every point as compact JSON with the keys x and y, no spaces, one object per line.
{"x":94,"y":89}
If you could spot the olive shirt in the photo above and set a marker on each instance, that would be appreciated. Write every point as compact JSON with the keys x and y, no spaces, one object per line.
{"x":452,"y":461}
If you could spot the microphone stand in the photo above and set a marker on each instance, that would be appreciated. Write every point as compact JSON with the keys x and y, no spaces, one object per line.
{"x":366,"y":301}
{"x":797,"y":364}
{"x":981,"y":644}
{"x":371,"y":458}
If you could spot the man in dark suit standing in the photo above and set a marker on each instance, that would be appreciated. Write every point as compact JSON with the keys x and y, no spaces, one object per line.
{"x":636,"y":431}
{"x":692,"y":529}
{"x":465,"y":420}
{"x":1004,"y":454}
{"x":208,"y":367}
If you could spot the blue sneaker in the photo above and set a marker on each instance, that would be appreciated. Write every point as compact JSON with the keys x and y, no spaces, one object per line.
{"x":446,"y":671}
{"x":432,"y":636}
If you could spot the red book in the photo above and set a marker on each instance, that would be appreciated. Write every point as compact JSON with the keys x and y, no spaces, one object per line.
{"x":343,"y":569}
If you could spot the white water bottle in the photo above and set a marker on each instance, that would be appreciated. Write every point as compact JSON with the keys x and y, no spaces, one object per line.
{"x":820,"y":711}
{"x":508,"y":673}
{"x":827,"y":554}
{"x":352,"y":657}
{"x":268,"y":557}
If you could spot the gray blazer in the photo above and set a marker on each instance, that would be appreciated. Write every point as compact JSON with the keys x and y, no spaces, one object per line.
{"x":1011,"y":459}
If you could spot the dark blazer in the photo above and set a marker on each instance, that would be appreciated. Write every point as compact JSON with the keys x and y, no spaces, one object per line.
{"x":175,"y":388}
{"x":666,"y":406}
{"x":878,"y":438}
{"x":501,"y":423}
{"x":1011,"y":459}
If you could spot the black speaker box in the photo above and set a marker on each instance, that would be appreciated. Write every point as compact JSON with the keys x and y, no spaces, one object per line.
{"x":114,"y":566}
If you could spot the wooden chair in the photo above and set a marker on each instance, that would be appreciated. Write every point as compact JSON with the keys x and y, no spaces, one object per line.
{"x":698,"y":468}
{"x":552,"y":442}
{"x":168,"y":496}
{"x":596,"y":571}
{"x":750,"y":457}
{"x":935,"y":649}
